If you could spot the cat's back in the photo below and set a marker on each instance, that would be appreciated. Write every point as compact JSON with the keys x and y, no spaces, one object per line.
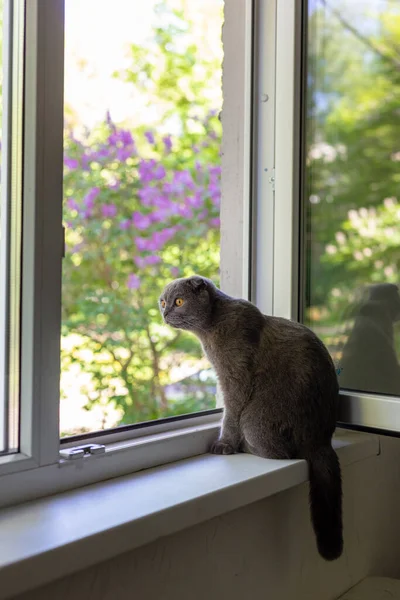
{"x":295,"y":379}
{"x":293,"y":347}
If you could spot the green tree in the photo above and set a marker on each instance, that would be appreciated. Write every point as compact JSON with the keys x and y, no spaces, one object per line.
{"x":353,"y":148}
{"x":141,"y":208}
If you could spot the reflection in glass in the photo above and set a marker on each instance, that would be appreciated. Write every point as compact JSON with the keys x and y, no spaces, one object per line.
{"x":141,"y":204}
{"x":352,"y":188}
{"x":369,"y":361}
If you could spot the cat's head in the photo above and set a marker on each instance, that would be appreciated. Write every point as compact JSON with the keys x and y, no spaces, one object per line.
{"x":187,"y":303}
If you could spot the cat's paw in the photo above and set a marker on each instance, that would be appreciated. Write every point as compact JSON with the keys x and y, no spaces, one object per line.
{"x":221,"y":447}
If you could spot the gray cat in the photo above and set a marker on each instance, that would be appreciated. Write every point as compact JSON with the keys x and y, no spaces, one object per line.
{"x":280,"y":390}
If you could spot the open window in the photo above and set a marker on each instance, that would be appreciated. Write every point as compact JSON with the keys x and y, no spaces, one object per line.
{"x":126,"y":165}
{"x":336,"y":201}
{"x":112,"y":156}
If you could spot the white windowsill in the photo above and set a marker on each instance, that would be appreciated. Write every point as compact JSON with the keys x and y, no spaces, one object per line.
{"x":52,"y":537}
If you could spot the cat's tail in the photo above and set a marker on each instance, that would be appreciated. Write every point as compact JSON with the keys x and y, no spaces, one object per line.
{"x":326,"y":501}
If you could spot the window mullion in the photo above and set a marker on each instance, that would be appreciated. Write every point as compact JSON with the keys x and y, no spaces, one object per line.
{"x":5,"y":218}
{"x":42,"y":223}
{"x":286,"y":215}
{"x":236,"y":165}
{"x":264,"y":149}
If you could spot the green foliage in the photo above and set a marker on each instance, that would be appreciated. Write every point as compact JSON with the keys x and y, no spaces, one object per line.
{"x":141,"y":208}
{"x":353,"y":155}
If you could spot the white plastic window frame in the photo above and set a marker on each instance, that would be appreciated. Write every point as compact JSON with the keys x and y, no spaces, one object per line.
{"x":10,"y":237}
{"x":371,"y":412}
{"x":37,"y":470}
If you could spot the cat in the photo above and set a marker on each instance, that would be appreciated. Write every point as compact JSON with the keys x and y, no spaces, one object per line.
{"x":280,"y":390}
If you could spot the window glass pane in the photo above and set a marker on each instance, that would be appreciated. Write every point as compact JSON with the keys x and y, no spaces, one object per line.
{"x":11,"y":83}
{"x":352,"y":188}
{"x":141,"y":204}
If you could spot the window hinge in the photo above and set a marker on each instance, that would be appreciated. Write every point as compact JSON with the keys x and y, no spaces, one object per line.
{"x":81,"y":451}
{"x":271,"y":179}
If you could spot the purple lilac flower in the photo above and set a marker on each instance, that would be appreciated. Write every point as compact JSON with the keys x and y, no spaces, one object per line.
{"x":167,"y":143}
{"x":140,"y":262}
{"x":142,"y":244}
{"x":158,"y":216}
{"x":184,"y":177}
{"x":71,"y":163}
{"x":113,"y":138}
{"x":215,"y":171}
{"x":141,"y":221}
{"x":98,"y":155}
{"x":149,"y":137}
{"x":215,"y":194}
{"x":133,"y":282}
{"x":195,"y":201}
{"x":162,"y":202}
{"x":148,"y":195}
{"x":85,"y":162}
{"x":172,"y":187}
{"x":153,"y":259}
{"x":143,"y":262}
{"x":125,"y":224}
{"x":109,"y":210}
{"x":91,"y":197}
{"x":126,"y":137}
{"x":72,"y":204}
{"x":174,"y":271}
{"x":216,"y":222}
{"x":160,"y":172}
{"x":157,"y":240}
{"x":146,"y":168}
{"x":124,"y":153}
{"x":123,"y":141}
{"x":185,"y":212}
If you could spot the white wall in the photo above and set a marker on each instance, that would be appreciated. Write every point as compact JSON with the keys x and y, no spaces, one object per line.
{"x":263,"y":551}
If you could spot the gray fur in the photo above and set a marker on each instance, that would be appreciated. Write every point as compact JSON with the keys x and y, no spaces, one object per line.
{"x":280,"y":390}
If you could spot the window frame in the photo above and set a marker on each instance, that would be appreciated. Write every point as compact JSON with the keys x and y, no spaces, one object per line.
{"x":262,"y":158}
{"x":358,"y":410}
{"x":42,"y":241}
{"x":37,"y":469}
{"x":11,"y":223}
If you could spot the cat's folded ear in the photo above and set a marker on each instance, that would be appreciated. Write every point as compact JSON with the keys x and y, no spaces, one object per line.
{"x":198,"y":283}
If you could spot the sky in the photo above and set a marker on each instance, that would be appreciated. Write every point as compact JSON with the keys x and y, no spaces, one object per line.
{"x":99,"y":32}
{"x":97,"y":38}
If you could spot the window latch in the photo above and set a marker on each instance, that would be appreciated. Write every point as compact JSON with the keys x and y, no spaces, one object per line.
{"x":82,"y":451}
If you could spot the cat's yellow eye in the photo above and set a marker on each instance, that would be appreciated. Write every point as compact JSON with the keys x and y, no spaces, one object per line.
{"x":179,"y":301}
{"x":163,"y":303}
